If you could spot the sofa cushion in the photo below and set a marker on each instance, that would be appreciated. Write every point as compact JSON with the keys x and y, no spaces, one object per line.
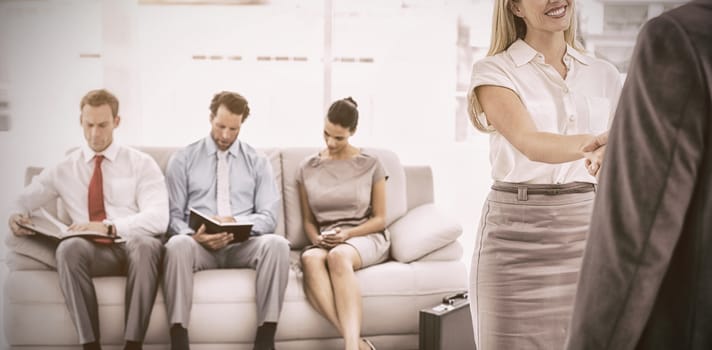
{"x":396,"y":203}
{"x":31,"y":172}
{"x":291,"y":158}
{"x":452,"y":251}
{"x":160,"y":154}
{"x":275,"y":159}
{"x":423,"y":230}
{"x":419,"y":184}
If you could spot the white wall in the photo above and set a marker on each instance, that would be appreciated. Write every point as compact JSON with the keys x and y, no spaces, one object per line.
{"x":46,"y":79}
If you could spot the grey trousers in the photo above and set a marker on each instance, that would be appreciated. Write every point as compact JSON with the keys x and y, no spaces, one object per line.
{"x":268,"y":255}
{"x":139,"y":259}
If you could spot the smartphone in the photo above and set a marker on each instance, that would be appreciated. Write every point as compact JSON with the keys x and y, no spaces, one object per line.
{"x":329,"y":232}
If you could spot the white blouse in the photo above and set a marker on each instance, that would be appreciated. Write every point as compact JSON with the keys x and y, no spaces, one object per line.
{"x":583,"y":103}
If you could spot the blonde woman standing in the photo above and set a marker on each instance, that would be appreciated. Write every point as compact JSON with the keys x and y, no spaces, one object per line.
{"x":542,"y":100}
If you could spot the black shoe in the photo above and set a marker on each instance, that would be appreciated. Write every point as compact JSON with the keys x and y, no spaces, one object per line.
{"x":263,"y":348}
{"x":133,"y":345}
{"x":264,"y":340}
{"x":92,"y":346}
{"x":179,"y":338}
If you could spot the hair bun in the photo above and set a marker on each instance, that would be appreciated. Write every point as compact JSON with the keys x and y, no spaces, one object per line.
{"x":351,"y":100}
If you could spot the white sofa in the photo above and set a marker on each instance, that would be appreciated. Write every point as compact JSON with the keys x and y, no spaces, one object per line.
{"x":425,"y":266}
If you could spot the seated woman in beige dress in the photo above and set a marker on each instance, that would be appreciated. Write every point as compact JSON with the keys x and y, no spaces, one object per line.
{"x":343,"y":201}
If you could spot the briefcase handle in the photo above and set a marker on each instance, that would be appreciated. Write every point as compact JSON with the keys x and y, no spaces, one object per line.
{"x":450,"y":299}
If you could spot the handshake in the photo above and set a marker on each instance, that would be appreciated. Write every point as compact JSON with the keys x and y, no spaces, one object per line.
{"x":593,"y":153}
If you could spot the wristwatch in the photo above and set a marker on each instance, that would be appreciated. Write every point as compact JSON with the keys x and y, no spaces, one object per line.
{"x":110,"y":230}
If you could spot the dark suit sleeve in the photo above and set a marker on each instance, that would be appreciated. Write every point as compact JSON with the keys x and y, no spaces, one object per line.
{"x":654,"y":154}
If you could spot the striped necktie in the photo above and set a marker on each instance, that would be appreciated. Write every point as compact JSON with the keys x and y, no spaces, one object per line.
{"x":223,"y":185}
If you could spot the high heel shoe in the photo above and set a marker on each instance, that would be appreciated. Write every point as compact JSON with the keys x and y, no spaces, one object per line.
{"x":370,"y":345}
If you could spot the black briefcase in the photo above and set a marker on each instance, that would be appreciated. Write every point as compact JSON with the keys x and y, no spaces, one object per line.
{"x":447,"y":326}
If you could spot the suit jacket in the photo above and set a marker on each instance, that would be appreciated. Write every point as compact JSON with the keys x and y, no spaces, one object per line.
{"x":646,"y":278}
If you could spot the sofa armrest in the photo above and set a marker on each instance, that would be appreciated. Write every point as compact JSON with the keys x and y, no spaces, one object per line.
{"x":19,"y":262}
{"x":36,"y":247}
{"x":421,"y":231}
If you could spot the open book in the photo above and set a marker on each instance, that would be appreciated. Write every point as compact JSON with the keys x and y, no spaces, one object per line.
{"x":240,"y":230}
{"x":47,"y":225}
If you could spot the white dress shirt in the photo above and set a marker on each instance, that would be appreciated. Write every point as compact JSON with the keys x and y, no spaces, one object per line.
{"x":135,"y":195}
{"x":583,"y":103}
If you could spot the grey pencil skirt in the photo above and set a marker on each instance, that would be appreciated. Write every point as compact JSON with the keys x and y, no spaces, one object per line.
{"x":526,"y":264}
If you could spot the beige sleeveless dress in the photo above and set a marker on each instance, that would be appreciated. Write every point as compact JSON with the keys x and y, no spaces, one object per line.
{"x":339,"y":195}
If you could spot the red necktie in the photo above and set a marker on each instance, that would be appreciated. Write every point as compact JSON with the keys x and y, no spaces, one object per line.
{"x":96,"y":192}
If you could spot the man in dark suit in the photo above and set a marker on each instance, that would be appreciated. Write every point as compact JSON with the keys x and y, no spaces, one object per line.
{"x":646,"y":279}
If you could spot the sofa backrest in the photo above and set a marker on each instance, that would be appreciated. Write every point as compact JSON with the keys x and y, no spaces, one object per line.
{"x":285,"y":163}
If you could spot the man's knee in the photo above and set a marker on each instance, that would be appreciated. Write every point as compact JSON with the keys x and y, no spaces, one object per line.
{"x":144,"y":247}
{"x":179,"y":246}
{"x":274,"y":245}
{"x":73,"y":250}
{"x":180,"y":243}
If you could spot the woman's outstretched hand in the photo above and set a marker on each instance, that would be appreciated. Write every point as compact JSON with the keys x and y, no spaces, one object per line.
{"x":594,"y":153}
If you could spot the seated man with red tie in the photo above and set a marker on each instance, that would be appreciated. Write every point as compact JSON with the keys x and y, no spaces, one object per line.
{"x":110,"y":188}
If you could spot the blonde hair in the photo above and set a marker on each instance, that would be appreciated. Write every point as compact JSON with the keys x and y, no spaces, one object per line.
{"x":506,"y":29}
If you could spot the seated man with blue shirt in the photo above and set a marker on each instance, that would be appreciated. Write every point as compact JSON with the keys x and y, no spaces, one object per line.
{"x":226,"y":178}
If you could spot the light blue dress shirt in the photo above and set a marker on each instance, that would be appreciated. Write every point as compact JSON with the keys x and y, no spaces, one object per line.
{"x":191,"y":178}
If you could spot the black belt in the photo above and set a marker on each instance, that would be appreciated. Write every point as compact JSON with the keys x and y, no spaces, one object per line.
{"x":523,"y":190}
{"x":343,"y":221}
